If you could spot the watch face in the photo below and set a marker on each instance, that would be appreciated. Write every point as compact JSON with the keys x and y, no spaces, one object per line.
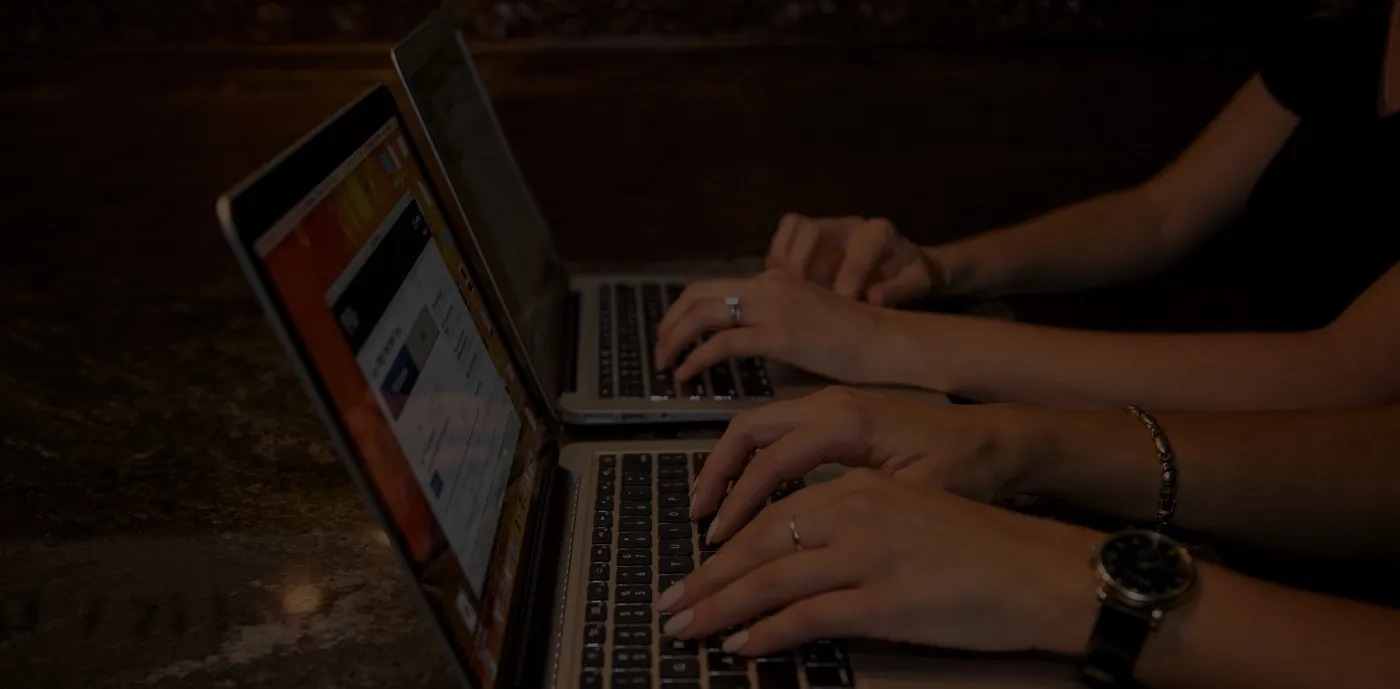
{"x":1146,"y":566}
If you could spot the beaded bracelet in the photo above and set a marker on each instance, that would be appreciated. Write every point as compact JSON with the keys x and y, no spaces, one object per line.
{"x":1166,"y":499}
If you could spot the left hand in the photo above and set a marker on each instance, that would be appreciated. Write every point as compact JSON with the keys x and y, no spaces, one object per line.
{"x":883,"y":559}
{"x":782,"y":318}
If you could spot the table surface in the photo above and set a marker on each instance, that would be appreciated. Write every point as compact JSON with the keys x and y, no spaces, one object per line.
{"x":171,"y":513}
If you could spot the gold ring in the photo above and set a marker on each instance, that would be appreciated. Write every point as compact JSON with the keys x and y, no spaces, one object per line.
{"x":792,"y":527}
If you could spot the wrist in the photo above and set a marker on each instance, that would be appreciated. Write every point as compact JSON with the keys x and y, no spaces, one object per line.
{"x":1063,"y":604}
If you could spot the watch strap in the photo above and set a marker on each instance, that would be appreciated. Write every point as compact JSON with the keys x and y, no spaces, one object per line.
{"x":1114,"y":646}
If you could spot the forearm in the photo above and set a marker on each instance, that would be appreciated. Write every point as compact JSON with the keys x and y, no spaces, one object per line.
{"x":1318,"y":482}
{"x":991,"y":360}
{"x":1238,"y":632}
{"x":1110,"y":238}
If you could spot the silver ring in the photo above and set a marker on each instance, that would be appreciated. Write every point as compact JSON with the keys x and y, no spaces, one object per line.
{"x":736,"y":312}
{"x":792,"y":527}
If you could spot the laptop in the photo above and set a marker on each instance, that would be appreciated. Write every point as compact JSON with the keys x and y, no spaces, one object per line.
{"x":588,"y":338}
{"x":537,"y":564}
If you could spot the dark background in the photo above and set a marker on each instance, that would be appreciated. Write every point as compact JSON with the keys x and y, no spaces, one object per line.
{"x":151,"y":433}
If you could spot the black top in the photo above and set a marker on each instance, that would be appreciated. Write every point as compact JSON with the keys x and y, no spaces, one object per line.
{"x":1325,"y":215}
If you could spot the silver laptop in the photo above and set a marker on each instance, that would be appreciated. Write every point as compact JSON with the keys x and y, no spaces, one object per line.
{"x":589,"y":338}
{"x":538,"y":566}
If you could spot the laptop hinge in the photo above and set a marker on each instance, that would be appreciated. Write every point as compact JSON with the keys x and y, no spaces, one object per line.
{"x":538,"y":617}
{"x":568,"y":367}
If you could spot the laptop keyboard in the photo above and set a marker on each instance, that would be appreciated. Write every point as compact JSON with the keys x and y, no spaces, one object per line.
{"x":628,"y":316}
{"x":643,"y":542}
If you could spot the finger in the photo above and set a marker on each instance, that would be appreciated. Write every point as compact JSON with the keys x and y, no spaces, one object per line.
{"x":701,"y":317}
{"x":910,"y":283}
{"x":782,"y":239}
{"x":804,"y":242}
{"x":771,"y":586}
{"x":695,"y":292}
{"x":764,"y":539}
{"x":832,"y":615}
{"x":867,"y":244}
{"x":792,"y":456}
{"x":724,"y":345}
{"x":749,"y":431}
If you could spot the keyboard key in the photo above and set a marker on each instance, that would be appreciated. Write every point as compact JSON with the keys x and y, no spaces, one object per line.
{"x":666,"y":581}
{"x":600,"y":553}
{"x":608,"y":488}
{"x":636,"y":479}
{"x":674,"y":515}
{"x":824,"y":653}
{"x":676,"y":565}
{"x":674,"y":500}
{"x":590,"y":679}
{"x":715,"y":643}
{"x":603,"y":503}
{"x":593,"y":657}
{"x":634,"y":575}
{"x":640,"y":462}
{"x":636,"y":509}
{"x":674,"y":530}
{"x":779,"y":657}
{"x":598,"y":571}
{"x":694,"y":388}
{"x":672,"y":473}
{"x":602,"y":519}
{"x":777,"y":675}
{"x":722,"y":381}
{"x":828,"y":677}
{"x":680,"y":668}
{"x":663,"y":385}
{"x":631,"y":679}
{"x":729,"y":682}
{"x":607,"y":460}
{"x":602,"y":534}
{"x":632,"y":658}
{"x":607,"y":474}
{"x":634,"y":594}
{"x":596,"y":612}
{"x":637,"y":493}
{"x":598,"y":590}
{"x":721,"y":662}
{"x":632,"y":636}
{"x":634,"y":556}
{"x":679,"y":648}
{"x":595,"y":634}
{"x":635,"y":524}
{"x":675,"y":546}
{"x":673,"y":485}
{"x":671,"y":459}
{"x":634,"y":539}
{"x":633,"y":614}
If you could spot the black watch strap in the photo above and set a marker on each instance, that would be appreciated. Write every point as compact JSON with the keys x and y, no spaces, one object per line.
{"x":1114,"y":647}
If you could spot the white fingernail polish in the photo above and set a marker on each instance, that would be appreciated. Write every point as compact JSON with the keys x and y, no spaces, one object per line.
{"x":736,"y":642}
{"x":670,"y":596}
{"x":709,"y":535}
{"x":678,"y":623}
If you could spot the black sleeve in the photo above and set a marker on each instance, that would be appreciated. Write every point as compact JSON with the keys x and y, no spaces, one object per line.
{"x":1294,"y":72}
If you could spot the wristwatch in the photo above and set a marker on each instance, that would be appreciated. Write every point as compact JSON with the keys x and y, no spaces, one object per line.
{"x":1144,"y":575}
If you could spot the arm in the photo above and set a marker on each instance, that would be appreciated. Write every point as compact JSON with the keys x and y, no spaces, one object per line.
{"x":1350,"y":362}
{"x":1129,"y":234}
{"x":1259,"y":477}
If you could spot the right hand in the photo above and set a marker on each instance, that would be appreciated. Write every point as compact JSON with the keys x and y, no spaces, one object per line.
{"x":861,"y":258}
{"x":968,"y":450}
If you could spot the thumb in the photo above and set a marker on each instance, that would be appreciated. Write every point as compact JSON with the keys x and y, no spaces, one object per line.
{"x":907,"y":284}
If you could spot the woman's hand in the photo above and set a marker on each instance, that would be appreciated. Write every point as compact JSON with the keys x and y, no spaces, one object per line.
{"x":884,"y":559}
{"x":780,"y":318}
{"x":974,"y":451}
{"x":863,"y":258}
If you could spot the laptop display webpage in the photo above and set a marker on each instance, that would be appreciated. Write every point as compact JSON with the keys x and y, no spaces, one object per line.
{"x":492,"y":193}
{"x":379,"y":293}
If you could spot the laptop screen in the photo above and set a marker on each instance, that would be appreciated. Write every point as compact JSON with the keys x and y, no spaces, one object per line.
{"x":374,"y":286}
{"x":505,"y":221}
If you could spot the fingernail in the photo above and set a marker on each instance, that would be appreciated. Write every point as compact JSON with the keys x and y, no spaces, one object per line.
{"x":736,"y":642}
{"x":670,"y":596}
{"x":678,"y":623}
{"x":709,"y":535}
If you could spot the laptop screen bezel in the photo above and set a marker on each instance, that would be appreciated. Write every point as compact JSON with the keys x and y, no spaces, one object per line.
{"x":441,"y":32}
{"x":245,"y":214}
